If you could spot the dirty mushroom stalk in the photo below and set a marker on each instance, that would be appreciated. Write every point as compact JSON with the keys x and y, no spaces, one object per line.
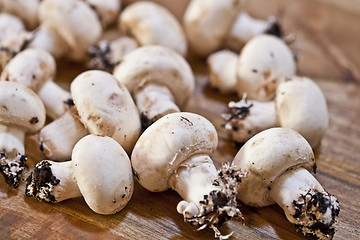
{"x":174,"y":152}
{"x":279,"y":162}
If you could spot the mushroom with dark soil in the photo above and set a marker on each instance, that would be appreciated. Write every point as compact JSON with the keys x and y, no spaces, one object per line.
{"x":279,"y":162}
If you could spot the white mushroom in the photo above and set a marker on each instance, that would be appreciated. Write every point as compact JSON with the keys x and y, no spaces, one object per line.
{"x":35,"y":68}
{"x":262,"y":64}
{"x":159,"y":79}
{"x":74,"y":21}
{"x":102,"y":107}
{"x":151,"y":24}
{"x":222,"y":67}
{"x":299,"y":105}
{"x":211,"y":24}
{"x":21,"y":112}
{"x":174,"y":152}
{"x":100,"y":171}
{"x":26,"y":10}
{"x":279,"y":162}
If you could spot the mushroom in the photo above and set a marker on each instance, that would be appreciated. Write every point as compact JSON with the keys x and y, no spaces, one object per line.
{"x":261,"y":65}
{"x":159,"y":79}
{"x":222,"y":67}
{"x":35,"y":68}
{"x":21,"y":111}
{"x":279,"y":162}
{"x":152,"y":24}
{"x":210,"y":24}
{"x":174,"y":152}
{"x":299,"y":105}
{"x":100,"y":171}
{"x":26,"y":10}
{"x":102,"y":107}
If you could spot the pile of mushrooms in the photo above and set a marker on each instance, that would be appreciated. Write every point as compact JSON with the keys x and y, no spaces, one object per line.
{"x":130,"y":116}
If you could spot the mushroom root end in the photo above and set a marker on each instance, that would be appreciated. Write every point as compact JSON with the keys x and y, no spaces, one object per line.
{"x":219,"y":205}
{"x":315,"y":214}
{"x":41,"y":182}
{"x":12,"y":168}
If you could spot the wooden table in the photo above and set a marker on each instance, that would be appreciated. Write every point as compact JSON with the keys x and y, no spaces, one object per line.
{"x":328,"y":38}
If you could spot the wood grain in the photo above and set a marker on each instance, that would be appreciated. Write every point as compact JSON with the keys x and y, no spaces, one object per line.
{"x":327,"y":37}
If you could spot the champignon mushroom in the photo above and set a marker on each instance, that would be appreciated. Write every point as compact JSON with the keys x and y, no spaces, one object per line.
{"x":222,"y":67}
{"x":299,"y":105}
{"x":100,"y":171}
{"x":35,"y":68}
{"x":261,"y":65}
{"x":209,"y":24}
{"x":102,"y":107}
{"x":279,"y":162}
{"x":174,"y":152}
{"x":152,"y":24}
{"x":159,"y":79}
{"x":21,"y":111}
{"x":26,"y":10}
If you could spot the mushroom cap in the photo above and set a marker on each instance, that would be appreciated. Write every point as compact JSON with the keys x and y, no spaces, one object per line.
{"x":31,"y":67}
{"x":106,"y":108}
{"x":167,"y":143}
{"x":21,"y":107}
{"x":263,"y":63}
{"x":157,"y":65}
{"x":102,"y":170}
{"x":266,"y":156}
{"x":301,"y":106}
{"x":152,"y":24}
{"x":207,"y":22}
{"x":74,"y":21}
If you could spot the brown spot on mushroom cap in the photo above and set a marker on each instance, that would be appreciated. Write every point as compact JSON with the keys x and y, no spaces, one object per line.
{"x":104,"y":127}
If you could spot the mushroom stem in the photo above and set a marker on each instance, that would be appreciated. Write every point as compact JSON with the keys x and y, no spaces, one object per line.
{"x":193,"y":180}
{"x":305,"y":203}
{"x":56,"y":100}
{"x":249,"y":117}
{"x":209,"y":197}
{"x":153,"y":102}
{"x":245,"y":27}
{"x":52,"y":182}
{"x":12,"y":158}
{"x":58,"y":138}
